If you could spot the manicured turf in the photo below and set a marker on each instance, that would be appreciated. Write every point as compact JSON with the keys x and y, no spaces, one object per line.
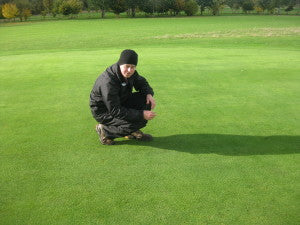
{"x":226,"y":148}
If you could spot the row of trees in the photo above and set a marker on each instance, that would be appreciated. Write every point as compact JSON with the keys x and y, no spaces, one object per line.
{"x":25,"y":8}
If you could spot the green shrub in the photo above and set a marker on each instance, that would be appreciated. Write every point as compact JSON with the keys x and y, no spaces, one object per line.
{"x":248,"y":6}
{"x":70,"y":7}
{"x":191,"y":7}
{"x":65,"y":8}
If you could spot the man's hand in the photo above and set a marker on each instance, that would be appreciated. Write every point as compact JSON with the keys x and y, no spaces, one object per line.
{"x":150,"y":99}
{"x":149,"y":115}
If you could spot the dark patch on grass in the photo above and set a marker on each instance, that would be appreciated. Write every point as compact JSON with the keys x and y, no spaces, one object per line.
{"x":234,"y":145}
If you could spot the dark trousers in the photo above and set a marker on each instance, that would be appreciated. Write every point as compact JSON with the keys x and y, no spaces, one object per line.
{"x":119,"y":128}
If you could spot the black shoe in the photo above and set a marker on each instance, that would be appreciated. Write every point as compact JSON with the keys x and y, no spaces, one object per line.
{"x":140,"y":136}
{"x":104,"y":140}
{"x":130,"y":137}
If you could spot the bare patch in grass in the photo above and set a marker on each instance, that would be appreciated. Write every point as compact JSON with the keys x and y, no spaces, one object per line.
{"x":254,"y":32}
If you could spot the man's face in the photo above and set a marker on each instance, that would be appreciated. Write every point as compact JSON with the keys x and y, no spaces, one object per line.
{"x":127,"y":70}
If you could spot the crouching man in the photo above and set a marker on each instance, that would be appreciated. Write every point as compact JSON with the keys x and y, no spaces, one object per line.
{"x":119,"y":111}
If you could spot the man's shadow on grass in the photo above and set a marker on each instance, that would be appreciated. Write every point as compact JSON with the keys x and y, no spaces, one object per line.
{"x":224,"y":144}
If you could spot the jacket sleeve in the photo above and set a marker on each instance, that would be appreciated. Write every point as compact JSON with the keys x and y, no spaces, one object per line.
{"x":110,"y":95}
{"x":140,"y":84}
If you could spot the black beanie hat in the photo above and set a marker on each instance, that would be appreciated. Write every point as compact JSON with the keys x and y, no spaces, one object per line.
{"x":128,"y":57}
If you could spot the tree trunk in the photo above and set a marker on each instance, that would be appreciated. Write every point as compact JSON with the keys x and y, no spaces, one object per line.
{"x":201,"y":10}
{"x":102,"y":13}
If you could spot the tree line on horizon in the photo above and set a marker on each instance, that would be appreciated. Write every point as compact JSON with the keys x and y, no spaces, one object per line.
{"x":23,"y":9}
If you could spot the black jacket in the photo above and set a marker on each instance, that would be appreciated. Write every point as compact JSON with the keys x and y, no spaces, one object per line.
{"x":111,"y":90}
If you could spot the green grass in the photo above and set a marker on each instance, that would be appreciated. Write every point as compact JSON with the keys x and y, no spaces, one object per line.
{"x":226,"y":148}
